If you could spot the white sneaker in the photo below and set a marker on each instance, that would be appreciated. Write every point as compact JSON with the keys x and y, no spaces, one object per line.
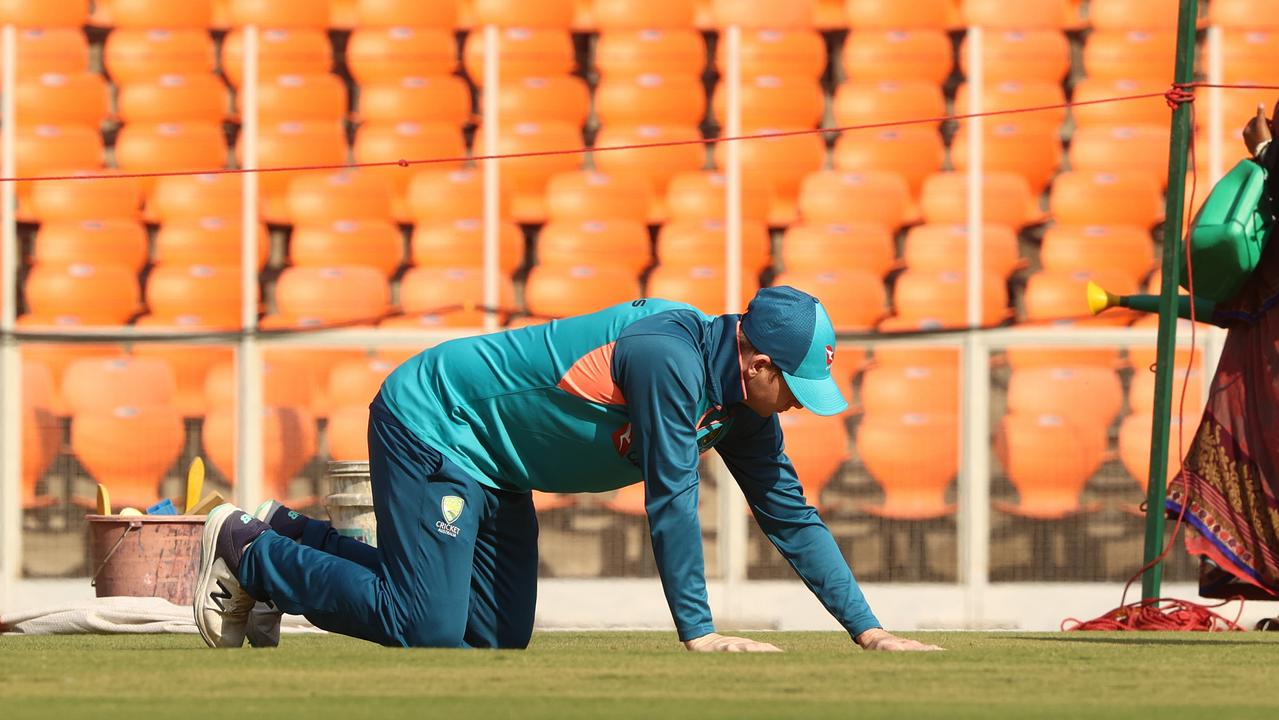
{"x":221,"y":606}
{"x":263,"y":629}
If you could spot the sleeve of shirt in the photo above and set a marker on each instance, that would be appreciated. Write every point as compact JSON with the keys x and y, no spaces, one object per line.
{"x":662,"y":378}
{"x":754,"y":454}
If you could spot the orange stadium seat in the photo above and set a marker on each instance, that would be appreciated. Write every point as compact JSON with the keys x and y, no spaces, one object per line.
{"x":1146,"y":111}
{"x":131,"y":56}
{"x":782,"y":53}
{"x":817,"y":446}
{"x":97,"y":197}
{"x":1241,"y":14}
{"x":914,"y":355}
{"x":388,"y":55}
{"x":375,"y":243}
{"x":190,"y":365}
{"x":55,"y":358}
{"x":775,"y":101}
{"x":1048,"y":461}
{"x":54,"y":149}
{"x":519,"y":14}
{"x":185,"y":197}
{"x":626,"y":53}
{"x":749,"y":14}
{"x":523,"y":53}
{"x":81,"y":294}
{"x":435,"y":99}
{"x":129,"y":449}
{"x":412,"y":142}
{"x":942,"y":247}
{"x":199,"y":98}
{"x":1006,"y":199}
{"x":356,"y":381}
{"x":700,"y":195}
{"x":561,"y":98}
{"x":1058,"y":297}
{"x":1070,"y":248}
{"x":1030,"y":150}
{"x":855,"y":299}
{"x":1131,"y":15}
{"x":657,"y":165}
{"x":527,"y":176}
{"x":589,"y":195}
{"x":831,"y":196}
{"x":302,"y":97}
{"x":308,"y":14}
{"x":1141,"y":391}
{"x":894,"y":389}
{"x":208,"y":240}
{"x":435,"y":195}
{"x":703,"y":242}
{"x":561,"y":290}
{"x":1027,"y":357}
{"x":289,"y":441}
{"x":1106,"y":198}
{"x":45,"y":13}
{"x":460,"y":243}
{"x":98,"y":242}
{"x":102,"y":383}
{"x":347,"y":432}
{"x":1022,"y":55}
{"x":78,"y":98}
{"x":292,"y":145}
{"x":332,"y":294}
{"x":1083,"y":395}
{"x":1014,"y":95}
{"x":51,"y":50}
{"x":286,"y":380}
{"x":785,"y":161}
{"x":891,"y":15}
{"x":813,"y":247}
{"x":211,"y":293}
{"x":405,"y":13}
{"x":629,"y":500}
{"x":830,"y":15}
{"x":1131,"y":54}
{"x":170,"y":147}
{"x":619,"y":242}
{"x":1134,"y":148}
{"x":702,"y":286}
{"x":651,"y":99}
{"x":281,"y":51}
{"x":914,"y":457}
{"x":1134,"y":444}
{"x":889,"y":101}
{"x":193,"y":14}
{"x":928,"y":300}
{"x":643,"y":14}
{"x":897,"y":56}
{"x":1247,"y":55}
{"x":448,"y":297}
{"x":339,"y":195}
{"x":912,"y":152}
{"x":1028,"y":15}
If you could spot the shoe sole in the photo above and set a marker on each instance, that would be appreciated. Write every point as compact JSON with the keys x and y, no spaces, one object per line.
{"x":208,"y":541}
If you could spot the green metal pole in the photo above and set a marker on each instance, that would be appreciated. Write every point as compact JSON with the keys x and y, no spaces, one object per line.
{"x":1167,"y":342}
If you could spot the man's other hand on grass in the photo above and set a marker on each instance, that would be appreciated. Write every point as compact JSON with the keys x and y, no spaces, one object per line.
{"x":714,"y":642}
{"x":880,"y":639}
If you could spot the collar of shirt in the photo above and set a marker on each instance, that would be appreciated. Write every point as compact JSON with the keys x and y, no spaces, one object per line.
{"x":724,"y":361}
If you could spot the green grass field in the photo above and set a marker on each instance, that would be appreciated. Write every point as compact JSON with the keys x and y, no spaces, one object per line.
{"x":647,"y":675}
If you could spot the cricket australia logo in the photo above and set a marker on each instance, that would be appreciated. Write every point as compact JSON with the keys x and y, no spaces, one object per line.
{"x":451,"y":507}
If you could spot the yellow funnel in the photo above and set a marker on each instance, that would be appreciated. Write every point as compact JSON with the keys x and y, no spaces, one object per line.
{"x":1099,"y":299}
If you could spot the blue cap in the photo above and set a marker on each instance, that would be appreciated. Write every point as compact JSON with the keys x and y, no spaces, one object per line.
{"x":792,"y":328}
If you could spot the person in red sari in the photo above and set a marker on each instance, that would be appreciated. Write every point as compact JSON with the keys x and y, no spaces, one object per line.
{"x":1230,"y":476}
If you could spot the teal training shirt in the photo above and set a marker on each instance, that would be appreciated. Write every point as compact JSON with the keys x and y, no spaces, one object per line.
{"x":601,"y":401}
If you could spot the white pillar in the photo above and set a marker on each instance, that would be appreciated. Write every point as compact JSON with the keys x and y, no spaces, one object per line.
{"x":491,"y":169}
{"x":10,"y":360}
{"x":250,"y":457}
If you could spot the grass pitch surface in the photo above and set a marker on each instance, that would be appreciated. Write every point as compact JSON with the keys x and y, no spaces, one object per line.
{"x":647,"y":675}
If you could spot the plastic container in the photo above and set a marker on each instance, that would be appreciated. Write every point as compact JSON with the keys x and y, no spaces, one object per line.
{"x":145,"y":555}
{"x":1229,"y":233}
{"x":350,"y":477}
{"x":352,"y":516}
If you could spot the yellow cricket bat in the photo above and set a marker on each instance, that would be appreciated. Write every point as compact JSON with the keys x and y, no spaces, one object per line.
{"x":195,"y":484}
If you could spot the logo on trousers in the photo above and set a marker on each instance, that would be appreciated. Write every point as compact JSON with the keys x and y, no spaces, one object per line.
{"x":451,"y":507}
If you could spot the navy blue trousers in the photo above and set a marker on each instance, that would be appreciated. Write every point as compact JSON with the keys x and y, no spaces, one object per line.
{"x":455,"y":564}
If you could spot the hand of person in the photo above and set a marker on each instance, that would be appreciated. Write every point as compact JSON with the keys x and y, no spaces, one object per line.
{"x":714,"y":642}
{"x":880,"y":639}
{"x":1257,"y":132}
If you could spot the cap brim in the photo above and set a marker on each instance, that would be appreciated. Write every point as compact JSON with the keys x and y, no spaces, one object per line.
{"x":820,"y":396}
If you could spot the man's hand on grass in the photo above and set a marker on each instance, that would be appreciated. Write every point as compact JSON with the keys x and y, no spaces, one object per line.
{"x":714,"y":642}
{"x":880,"y":639}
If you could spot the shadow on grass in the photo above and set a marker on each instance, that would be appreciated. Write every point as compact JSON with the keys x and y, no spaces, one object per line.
{"x":1133,"y":638}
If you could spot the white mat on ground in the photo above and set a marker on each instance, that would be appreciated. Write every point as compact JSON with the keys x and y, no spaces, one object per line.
{"x":120,"y":615}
